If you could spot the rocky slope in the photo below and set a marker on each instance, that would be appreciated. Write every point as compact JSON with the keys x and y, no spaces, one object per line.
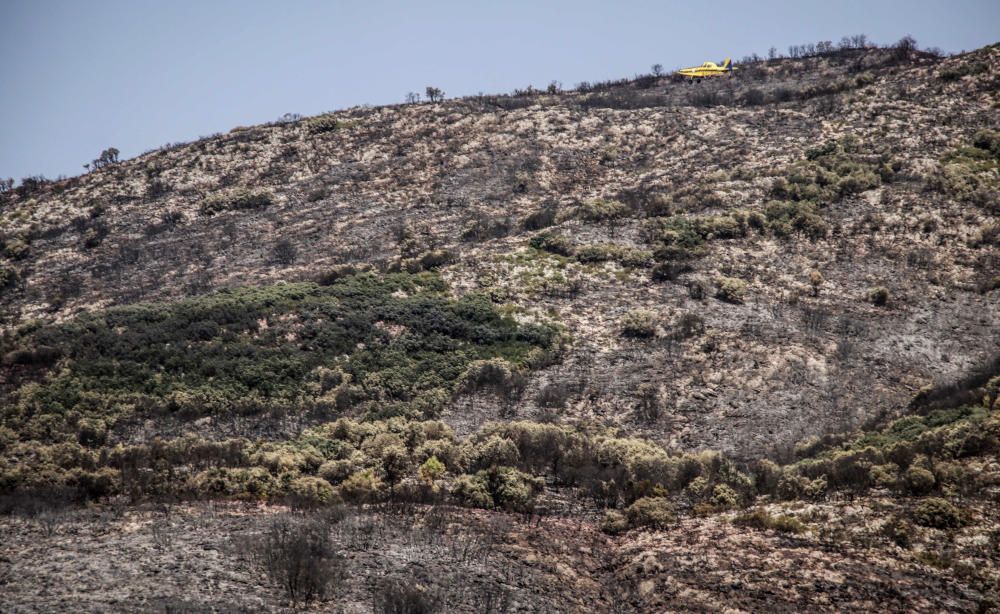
{"x":660,"y":269}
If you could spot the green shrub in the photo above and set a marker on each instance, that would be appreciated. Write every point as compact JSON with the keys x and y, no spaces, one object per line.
{"x":938,"y":514}
{"x":511,"y":489}
{"x":336,"y":471}
{"x":605,"y":252}
{"x":493,"y":451}
{"x":724,"y":496}
{"x":785,"y":218}
{"x":395,"y":339}
{"x":884,"y":476}
{"x":429,"y":260}
{"x":918,"y":481}
{"x":310,"y":490}
{"x":321,"y":124}
{"x":761,"y":519}
{"x":237,"y":200}
{"x":432,"y":469}
{"x":639,"y":324}
{"x":494,"y":374}
{"x":614,"y":523}
{"x":602,"y":210}
{"x":651,"y":512}
{"x":553,"y":243}
{"x":472,"y":491}
{"x":16,"y":248}
{"x":954,"y":73}
{"x":899,"y":531}
{"x":361,"y":487}
{"x":730,"y":289}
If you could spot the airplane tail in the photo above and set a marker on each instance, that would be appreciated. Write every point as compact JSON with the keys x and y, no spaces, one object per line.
{"x":727,"y":64}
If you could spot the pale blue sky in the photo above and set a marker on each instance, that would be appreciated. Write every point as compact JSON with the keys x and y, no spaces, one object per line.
{"x":84,"y":75}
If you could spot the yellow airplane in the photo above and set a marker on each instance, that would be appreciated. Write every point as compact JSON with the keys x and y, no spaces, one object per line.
{"x":708,"y":70}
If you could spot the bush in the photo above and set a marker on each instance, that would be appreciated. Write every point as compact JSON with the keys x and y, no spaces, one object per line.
{"x":493,"y":451}
{"x":918,"y":481}
{"x":724,"y":496}
{"x":614,"y":523}
{"x":651,"y":512}
{"x":543,"y":218}
{"x":298,"y":556}
{"x":730,"y":289}
{"x":604,"y":252}
{"x":9,"y":277}
{"x":938,"y":514}
{"x":429,"y":260}
{"x":761,"y":519}
{"x":786,"y":218}
{"x":639,"y":324}
{"x":431,"y":470}
{"x":360,"y":487}
{"x":321,"y":124}
{"x":308,"y":491}
{"x":602,"y":210}
{"x":552,"y":242}
{"x":16,"y":248}
{"x":471,"y":491}
{"x":510,"y":489}
{"x":878,"y":296}
{"x":485,"y":228}
{"x":397,"y":596}
{"x":237,"y":200}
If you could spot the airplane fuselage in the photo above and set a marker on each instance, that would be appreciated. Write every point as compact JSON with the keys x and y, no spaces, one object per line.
{"x":707,"y":70}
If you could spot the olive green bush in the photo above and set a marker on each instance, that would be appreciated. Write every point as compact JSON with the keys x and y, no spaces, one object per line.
{"x":760,"y":519}
{"x":554,"y":243}
{"x":730,"y":289}
{"x":601,"y":210}
{"x":938,"y":514}
{"x":322,"y":123}
{"x":651,"y":512}
{"x":639,"y":324}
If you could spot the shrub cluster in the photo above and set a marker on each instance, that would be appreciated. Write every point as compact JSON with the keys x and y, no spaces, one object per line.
{"x":760,"y":519}
{"x":396,"y":342}
{"x":236,"y":200}
{"x":322,"y":123}
{"x":611,"y":252}
{"x":639,"y":324}
{"x":829,"y":173}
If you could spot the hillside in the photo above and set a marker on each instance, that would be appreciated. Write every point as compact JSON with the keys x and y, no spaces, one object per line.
{"x":733,"y":345}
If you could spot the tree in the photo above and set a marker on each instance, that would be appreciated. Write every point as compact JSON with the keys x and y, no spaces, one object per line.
{"x":298,"y":555}
{"x":657,"y":69}
{"x":905,"y":46}
{"x":412,"y":98}
{"x":6,"y":185}
{"x":434,"y":94}
{"x":772,"y":53}
{"x":108,"y":156}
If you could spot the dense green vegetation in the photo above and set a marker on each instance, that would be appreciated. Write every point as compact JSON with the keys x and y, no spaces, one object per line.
{"x":395,"y":344}
{"x":830,"y":172}
{"x":972,"y":174}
